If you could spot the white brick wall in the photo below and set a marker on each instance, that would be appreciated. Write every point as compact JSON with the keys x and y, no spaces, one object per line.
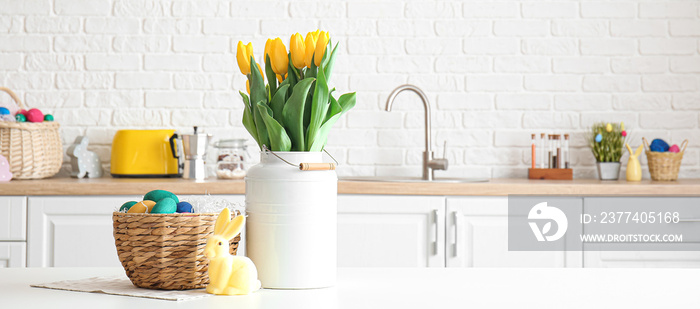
{"x":495,"y":72}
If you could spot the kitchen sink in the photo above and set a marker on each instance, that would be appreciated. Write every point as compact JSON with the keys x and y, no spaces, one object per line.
{"x":410,"y":179}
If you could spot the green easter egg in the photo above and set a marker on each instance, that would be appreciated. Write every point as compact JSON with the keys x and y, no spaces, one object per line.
{"x":157,"y":195}
{"x":21,"y":118}
{"x":165,"y":206}
{"x":127,"y":205}
{"x":48,"y":117}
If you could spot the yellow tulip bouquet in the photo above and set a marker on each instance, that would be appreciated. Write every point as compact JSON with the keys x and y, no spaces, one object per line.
{"x":295,"y":109}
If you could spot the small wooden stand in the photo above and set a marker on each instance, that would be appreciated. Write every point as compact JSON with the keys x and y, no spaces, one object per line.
{"x":550,"y":173}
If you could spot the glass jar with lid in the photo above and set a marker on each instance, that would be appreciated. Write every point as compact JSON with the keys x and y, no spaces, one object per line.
{"x":232,"y":158}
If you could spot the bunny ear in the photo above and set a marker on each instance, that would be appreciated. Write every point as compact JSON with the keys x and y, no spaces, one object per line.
{"x":234,"y":227}
{"x":629,"y":148}
{"x":638,"y":151}
{"x":222,"y":221}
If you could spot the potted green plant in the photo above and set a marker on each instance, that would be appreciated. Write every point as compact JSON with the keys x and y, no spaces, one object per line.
{"x":606,"y":141}
{"x":290,"y":109}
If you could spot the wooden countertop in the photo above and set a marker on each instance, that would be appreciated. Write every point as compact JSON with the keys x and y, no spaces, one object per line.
{"x":494,"y":187}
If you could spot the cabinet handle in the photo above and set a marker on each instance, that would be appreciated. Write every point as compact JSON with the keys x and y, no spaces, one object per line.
{"x":435,"y":236}
{"x":456,"y":247}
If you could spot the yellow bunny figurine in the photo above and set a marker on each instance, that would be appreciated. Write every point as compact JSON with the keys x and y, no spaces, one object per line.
{"x":229,"y":275}
{"x":634,"y":168}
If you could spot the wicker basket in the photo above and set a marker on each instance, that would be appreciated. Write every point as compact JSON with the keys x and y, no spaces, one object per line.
{"x":33,"y":150}
{"x":165,"y":251}
{"x":664,"y":166}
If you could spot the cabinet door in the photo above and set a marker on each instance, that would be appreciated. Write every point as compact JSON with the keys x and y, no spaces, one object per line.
{"x":72,"y":231}
{"x":77,"y":231}
{"x":13,"y":254}
{"x":391,"y":231}
{"x":688,"y":224}
{"x":477,"y":236}
{"x":13,"y":218}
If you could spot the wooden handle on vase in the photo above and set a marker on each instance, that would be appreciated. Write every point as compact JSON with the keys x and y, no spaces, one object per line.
{"x":317,"y":166}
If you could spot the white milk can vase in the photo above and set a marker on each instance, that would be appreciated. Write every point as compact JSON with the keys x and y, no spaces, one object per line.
{"x":292,"y":221}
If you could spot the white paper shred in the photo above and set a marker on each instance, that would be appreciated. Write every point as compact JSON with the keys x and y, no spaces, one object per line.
{"x":121,"y":286}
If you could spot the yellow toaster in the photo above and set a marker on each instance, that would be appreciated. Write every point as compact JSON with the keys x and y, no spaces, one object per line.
{"x":145,"y":153}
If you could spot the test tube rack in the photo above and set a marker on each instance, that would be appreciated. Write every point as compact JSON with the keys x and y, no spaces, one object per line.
{"x":550,"y":173}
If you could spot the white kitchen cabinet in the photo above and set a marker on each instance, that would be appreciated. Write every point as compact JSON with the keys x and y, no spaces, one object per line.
{"x":13,"y":231}
{"x":477,"y":236}
{"x":391,"y":231}
{"x":13,"y":218}
{"x":75,"y":231}
{"x":13,"y":254}
{"x":689,"y":224}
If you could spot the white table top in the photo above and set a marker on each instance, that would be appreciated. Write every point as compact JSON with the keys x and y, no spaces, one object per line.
{"x":397,"y":288}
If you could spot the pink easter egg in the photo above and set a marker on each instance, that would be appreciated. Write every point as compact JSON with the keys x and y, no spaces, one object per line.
{"x":35,"y":115}
{"x":5,"y":174}
{"x":674,"y":148}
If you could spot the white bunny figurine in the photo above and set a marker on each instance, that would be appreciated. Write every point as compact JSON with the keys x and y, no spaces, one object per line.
{"x":83,"y":161}
{"x":229,"y":275}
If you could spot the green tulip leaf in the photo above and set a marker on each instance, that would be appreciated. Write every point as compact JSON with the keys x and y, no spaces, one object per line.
{"x":347,"y":102}
{"x":277,"y":103}
{"x":260,"y":127}
{"x":279,"y":140}
{"x":328,"y":66}
{"x":248,"y":121}
{"x":257,"y":84}
{"x":293,"y":113}
{"x":333,"y":109}
{"x":319,"y":108}
{"x":271,"y":76}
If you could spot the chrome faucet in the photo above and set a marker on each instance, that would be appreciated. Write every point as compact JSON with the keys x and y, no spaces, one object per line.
{"x":430,"y":164}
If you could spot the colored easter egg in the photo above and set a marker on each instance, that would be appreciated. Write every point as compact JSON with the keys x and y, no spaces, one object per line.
{"x":165,"y":206}
{"x":623,"y":133}
{"x":48,"y":117}
{"x":22,"y":112}
{"x":674,"y":148}
{"x":608,"y":128}
{"x":20,"y":118}
{"x":157,"y":195}
{"x":659,"y":145}
{"x":127,"y":205}
{"x":4,"y":111}
{"x":149,"y":204}
{"x":35,"y":115}
{"x":184,"y":207}
{"x":598,"y":138}
{"x":138,"y":208}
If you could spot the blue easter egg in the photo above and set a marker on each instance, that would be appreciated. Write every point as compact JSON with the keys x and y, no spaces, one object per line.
{"x":598,"y":138}
{"x":184,"y":207}
{"x":4,"y":111}
{"x":659,"y":145}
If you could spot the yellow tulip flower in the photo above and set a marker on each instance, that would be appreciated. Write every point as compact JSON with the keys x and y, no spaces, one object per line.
{"x":315,"y":34}
{"x":268,"y":46}
{"x":279,"y":78}
{"x":323,"y":39}
{"x":279,"y":57}
{"x":310,"y":45}
{"x":247,"y":85}
{"x":298,"y":50}
{"x":622,"y":126}
{"x":243,"y":57}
